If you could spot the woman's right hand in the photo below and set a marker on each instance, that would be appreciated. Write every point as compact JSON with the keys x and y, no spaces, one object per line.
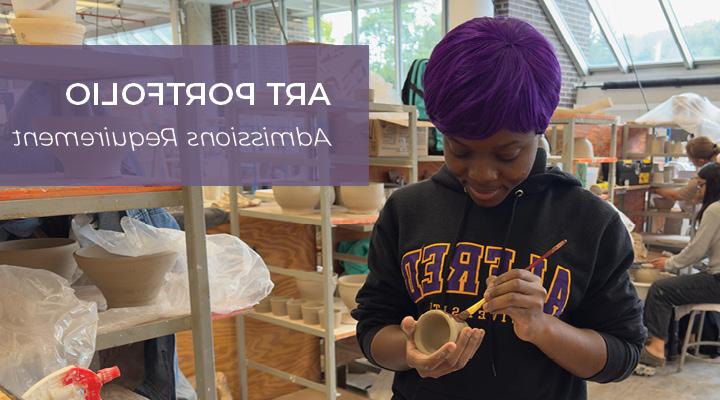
{"x":449,"y":358}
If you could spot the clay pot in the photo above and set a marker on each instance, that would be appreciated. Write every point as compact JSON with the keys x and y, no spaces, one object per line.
{"x":648,"y":274}
{"x":47,"y":31}
{"x":664,"y":204}
{"x":278,"y":304}
{"x":264,"y":306}
{"x":348,"y":287}
{"x":670,"y":171}
{"x":642,"y":289}
{"x":312,"y":290}
{"x":434,"y":329}
{"x":300,"y":199}
{"x":294,"y":308}
{"x":658,"y":145}
{"x":583,"y":148}
{"x":126,"y":281}
{"x":310,"y":312}
{"x":347,"y":319}
{"x":45,"y":9}
{"x":658,"y":178}
{"x":54,"y":255}
{"x":337,"y":317}
{"x":363,"y":199}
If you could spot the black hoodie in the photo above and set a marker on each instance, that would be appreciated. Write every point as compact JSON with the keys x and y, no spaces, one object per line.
{"x":587,"y":282}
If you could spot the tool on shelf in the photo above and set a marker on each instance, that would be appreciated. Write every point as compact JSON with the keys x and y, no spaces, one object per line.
{"x":473,"y":308}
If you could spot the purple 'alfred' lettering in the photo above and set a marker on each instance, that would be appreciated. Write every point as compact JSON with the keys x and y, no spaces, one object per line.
{"x":559,"y":292}
{"x":538,"y":270}
{"x":432,"y":262}
{"x":465,"y":269}
{"x":493,"y":257}
{"x":410,"y":273}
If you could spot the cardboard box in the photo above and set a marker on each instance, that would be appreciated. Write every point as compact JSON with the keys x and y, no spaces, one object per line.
{"x":391,"y":138}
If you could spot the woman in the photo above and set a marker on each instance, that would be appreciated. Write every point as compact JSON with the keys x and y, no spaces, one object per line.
{"x":688,"y":289}
{"x":700,"y":150}
{"x":491,"y":86}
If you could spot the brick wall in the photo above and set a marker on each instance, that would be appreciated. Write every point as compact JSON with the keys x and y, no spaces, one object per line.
{"x":577,"y":14}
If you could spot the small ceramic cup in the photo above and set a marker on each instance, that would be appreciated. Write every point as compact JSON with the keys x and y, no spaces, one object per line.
{"x":263,"y":306}
{"x":434,"y":329}
{"x":279,"y":305}
{"x":337,"y":317}
{"x":294,"y":308}
{"x":310,"y":312}
{"x":658,"y":177}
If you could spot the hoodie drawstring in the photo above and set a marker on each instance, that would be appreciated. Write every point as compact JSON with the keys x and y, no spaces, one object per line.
{"x":493,"y":348}
{"x":458,"y":236}
{"x":453,"y":245}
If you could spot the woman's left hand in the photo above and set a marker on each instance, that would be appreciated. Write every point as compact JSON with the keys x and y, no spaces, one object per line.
{"x":659,"y":262}
{"x":518,"y":293}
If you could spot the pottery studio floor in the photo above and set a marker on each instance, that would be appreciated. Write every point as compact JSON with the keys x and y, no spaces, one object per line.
{"x":697,"y":381}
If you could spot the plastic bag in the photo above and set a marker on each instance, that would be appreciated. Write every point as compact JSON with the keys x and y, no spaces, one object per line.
{"x":45,"y":326}
{"x":238,"y":276}
{"x":690,"y":111}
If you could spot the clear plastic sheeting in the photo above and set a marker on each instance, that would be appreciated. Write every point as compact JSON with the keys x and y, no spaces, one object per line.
{"x":45,"y":326}
{"x":690,"y":111}
{"x":238,"y":277}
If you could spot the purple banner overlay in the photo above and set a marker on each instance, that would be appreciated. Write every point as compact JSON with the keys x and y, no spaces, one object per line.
{"x":184,"y":115}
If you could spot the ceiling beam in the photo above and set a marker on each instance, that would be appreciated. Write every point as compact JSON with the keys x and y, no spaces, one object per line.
{"x":677,"y":33}
{"x":563,"y":31}
{"x":609,"y":36}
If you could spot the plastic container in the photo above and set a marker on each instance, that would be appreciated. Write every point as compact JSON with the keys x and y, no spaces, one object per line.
{"x":58,"y":9}
{"x":45,"y":31}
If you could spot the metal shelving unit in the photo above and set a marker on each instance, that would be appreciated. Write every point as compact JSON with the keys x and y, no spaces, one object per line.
{"x":24,"y":202}
{"x":568,"y":158}
{"x":55,"y":201}
{"x":326,"y":219}
{"x":649,"y":212}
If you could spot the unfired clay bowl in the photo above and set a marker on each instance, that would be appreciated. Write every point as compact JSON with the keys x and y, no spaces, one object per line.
{"x":583,"y":148}
{"x":264,"y":306}
{"x":363,"y":199}
{"x":278,"y":304}
{"x":55,"y":255}
{"x":642,"y":289}
{"x":648,"y":274}
{"x":312,"y":290}
{"x":348,"y":287}
{"x":662,"y":203}
{"x":310,"y":312}
{"x":47,"y":31}
{"x":434,"y":329}
{"x":337,"y":317}
{"x":126,"y":281}
{"x":301,"y":199}
{"x":294,"y":308}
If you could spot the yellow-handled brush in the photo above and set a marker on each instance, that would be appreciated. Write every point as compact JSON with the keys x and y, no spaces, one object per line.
{"x":475,"y":307}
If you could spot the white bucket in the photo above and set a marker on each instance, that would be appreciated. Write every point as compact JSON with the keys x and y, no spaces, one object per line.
{"x":64,"y":9}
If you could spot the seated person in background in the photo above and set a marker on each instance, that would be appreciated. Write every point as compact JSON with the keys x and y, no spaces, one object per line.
{"x":698,"y":288}
{"x":701,"y":151}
